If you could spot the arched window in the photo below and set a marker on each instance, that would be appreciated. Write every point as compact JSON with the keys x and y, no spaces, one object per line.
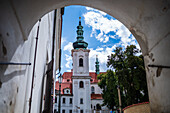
{"x":92,"y":90}
{"x":81,"y":84}
{"x":98,"y":107}
{"x":81,"y":62}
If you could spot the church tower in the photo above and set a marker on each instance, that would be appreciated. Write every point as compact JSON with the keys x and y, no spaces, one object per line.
{"x":80,"y":77}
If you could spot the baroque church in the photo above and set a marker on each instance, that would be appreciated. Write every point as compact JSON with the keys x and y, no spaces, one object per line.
{"x":80,"y":92}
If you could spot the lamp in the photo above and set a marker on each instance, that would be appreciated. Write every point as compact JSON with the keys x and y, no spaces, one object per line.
{"x":60,"y":78}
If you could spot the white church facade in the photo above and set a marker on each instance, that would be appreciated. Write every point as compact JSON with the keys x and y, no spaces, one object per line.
{"x":80,"y":92}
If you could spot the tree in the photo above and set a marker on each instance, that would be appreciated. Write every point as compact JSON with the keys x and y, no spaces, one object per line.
{"x":108,"y":82}
{"x":129,"y":75}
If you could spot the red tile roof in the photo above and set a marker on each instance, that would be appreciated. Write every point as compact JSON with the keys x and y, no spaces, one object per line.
{"x":67,"y":80}
{"x":96,"y":96}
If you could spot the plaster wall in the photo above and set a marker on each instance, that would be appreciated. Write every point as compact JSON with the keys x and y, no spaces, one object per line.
{"x":97,"y":89}
{"x":16,"y":80}
{"x":67,"y":106}
{"x":140,"y":108}
{"x":81,"y":93}
{"x":76,"y":55}
{"x":94,"y":102}
{"x":148,"y":20}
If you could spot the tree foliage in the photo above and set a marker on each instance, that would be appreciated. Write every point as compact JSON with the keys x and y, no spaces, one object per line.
{"x":129,"y":74}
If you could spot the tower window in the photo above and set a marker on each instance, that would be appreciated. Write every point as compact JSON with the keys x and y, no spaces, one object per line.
{"x":81,"y":101}
{"x":81,"y":84}
{"x":81,"y":62}
{"x":81,"y":111}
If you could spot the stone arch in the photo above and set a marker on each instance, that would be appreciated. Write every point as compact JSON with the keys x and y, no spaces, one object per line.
{"x":147,"y":20}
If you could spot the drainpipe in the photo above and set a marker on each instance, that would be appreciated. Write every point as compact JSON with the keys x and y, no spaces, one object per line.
{"x":33,"y":73}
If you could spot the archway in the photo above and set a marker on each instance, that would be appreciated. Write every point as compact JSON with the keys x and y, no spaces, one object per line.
{"x":147,"y":20}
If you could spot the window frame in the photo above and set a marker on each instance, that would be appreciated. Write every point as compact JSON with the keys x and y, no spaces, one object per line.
{"x":80,"y":62}
{"x":63,"y":111}
{"x":81,"y":100}
{"x":64,"y":100}
{"x":71,"y":101}
{"x":56,"y":99}
{"x":81,"y":84}
{"x":81,"y":111}
{"x":92,"y":90}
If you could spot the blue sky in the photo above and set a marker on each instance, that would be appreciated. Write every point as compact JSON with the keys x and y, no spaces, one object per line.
{"x":102,"y":32}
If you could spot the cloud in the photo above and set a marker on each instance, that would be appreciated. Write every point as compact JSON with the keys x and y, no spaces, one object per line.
{"x":102,"y":56}
{"x":68,"y":47}
{"x":95,"y":10}
{"x":102,"y":26}
{"x":68,"y":60}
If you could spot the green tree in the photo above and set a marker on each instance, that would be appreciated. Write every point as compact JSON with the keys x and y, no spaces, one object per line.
{"x":108,"y":82}
{"x":129,"y":75}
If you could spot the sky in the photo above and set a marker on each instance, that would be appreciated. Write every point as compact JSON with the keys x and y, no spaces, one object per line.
{"x":102,"y":32}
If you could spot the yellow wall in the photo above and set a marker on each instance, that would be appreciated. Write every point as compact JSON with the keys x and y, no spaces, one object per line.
{"x":139,"y":108}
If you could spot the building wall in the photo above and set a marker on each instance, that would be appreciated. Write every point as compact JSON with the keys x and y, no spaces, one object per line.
{"x":17,"y":79}
{"x":64,"y":106}
{"x":77,"y":70}
{"x":94,"y":102}
{"x":97,"y":89}
{"x":83,"y":93}
{"x":138,"y":108}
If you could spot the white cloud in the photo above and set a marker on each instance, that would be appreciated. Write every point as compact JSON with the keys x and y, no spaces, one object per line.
{"x":96,"y":10}
{"x":68,"y":47}
{"x":69,"y":61}
{"x":102,"y":56}
{"x":97,"y":20}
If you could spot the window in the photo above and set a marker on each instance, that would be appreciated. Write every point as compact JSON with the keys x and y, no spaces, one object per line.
{"x":55,"y":111}
{"x":98,"y":107}
{"x":70,"y":100}
{"x":70,"y":111}
{"x":68,"y":80}
{"x":81,"y":111}
{"x":81,"y":84}
{"x":81,"y":101}
{"x":67,"y":91}
{"x":64,"y":100}
{"x":92,"y":90}
{"x":55,"y":99}
{"x":81,"y":62}
{"x":63,"y":111}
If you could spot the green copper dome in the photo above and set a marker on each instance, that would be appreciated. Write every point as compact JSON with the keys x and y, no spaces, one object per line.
{"x":80,"y":43}
{"x":97,"y":65}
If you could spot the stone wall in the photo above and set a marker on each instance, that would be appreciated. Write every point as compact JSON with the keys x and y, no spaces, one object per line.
{"x":138,"y":108}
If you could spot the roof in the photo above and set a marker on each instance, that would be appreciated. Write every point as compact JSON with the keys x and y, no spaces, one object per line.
{"x":67,"y":80}
{"x":96,"y":96}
